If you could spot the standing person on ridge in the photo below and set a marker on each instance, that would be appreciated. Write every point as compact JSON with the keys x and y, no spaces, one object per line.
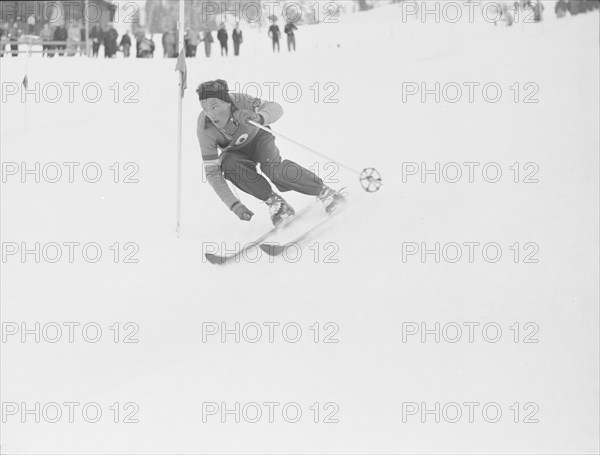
{"x":208,"y":40}
{"x":223,"y":36}
{"x":274,"y":33}
{"x":238,"y":39}
{"x":125,"y":44}
{"x":291,"y":38}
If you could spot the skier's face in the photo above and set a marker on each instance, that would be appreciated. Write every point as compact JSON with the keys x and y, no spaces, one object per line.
{"x":217,"y":110}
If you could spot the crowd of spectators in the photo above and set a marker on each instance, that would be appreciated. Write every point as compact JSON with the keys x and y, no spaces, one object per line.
{"x":574,"y":7}
{"x":69,"y":39}
{"x":533,"y":10}
{"x":60,"y":39}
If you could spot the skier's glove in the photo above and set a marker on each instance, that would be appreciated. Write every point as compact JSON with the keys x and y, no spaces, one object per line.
{"x":242,"y":212}
{"x":243,"y":115}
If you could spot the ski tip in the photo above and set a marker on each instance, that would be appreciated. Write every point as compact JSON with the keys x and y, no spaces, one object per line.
{"x":272,"y":249}
{"x":214,"y":259}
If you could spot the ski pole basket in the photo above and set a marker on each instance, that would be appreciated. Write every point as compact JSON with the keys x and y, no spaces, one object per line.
{"x":370,"y":179}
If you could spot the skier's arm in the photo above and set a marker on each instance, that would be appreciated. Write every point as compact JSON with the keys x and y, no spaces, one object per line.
{"x":268,"y":110}
{"x":212,"y":168}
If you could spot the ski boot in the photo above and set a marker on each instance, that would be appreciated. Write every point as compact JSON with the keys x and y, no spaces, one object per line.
{"x":331,"y":199}
{"x":279,"y":209}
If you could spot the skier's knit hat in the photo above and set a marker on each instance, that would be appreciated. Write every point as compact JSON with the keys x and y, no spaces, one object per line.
{"x":214,"y":89}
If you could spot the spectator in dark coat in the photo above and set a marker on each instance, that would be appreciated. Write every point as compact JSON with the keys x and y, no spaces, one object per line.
{"x":223,"y":36}
{"x":139,"y":35}
{"x":238,"y":39}
{"x":191,"y":40}
{"x":83,"y":41}
{"x":164,"y":43}
{"x":186,"y":42}
{"x":169,"y":41}
{"x":125,"y":44}
{"x":73,"y":37}
{"x":146,"y":47}
{"x":561,"y":8}
{"x":574,"y":7}
{"x":291,"y":38}
{"x":97,"y":37}
{"x":110,"y":41}
{"x":14,"y":35}
{"x":46,"y":34}
{"x":274,"y":34}
{"x":61,"y":34}
{"x":3,"y":37}
{"x":538,"y":9}
{"x":31,"y":25}
{"x":208,"y":41}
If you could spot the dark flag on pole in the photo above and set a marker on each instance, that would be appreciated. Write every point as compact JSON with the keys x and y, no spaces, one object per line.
{"x":25,"y":82}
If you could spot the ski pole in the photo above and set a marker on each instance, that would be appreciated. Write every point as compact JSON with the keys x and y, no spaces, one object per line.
{"x":276,"y":134}
{"x":370,"y":178}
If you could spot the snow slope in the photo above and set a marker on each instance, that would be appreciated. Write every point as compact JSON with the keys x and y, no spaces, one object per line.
{"x":369,"y":292}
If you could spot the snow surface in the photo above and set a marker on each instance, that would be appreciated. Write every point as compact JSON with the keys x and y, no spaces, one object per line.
{"x":369,"y":293}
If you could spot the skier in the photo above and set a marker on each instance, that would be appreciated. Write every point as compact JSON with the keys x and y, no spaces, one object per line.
{"x":223,"y":126}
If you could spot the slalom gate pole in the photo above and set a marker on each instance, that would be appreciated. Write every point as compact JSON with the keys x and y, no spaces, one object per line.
{"x":181,"y":47}
{"x":25,"y":82}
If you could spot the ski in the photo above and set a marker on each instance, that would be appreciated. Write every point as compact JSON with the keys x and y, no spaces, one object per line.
{"x":224,"y":259}
{"x":276,"y":249}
